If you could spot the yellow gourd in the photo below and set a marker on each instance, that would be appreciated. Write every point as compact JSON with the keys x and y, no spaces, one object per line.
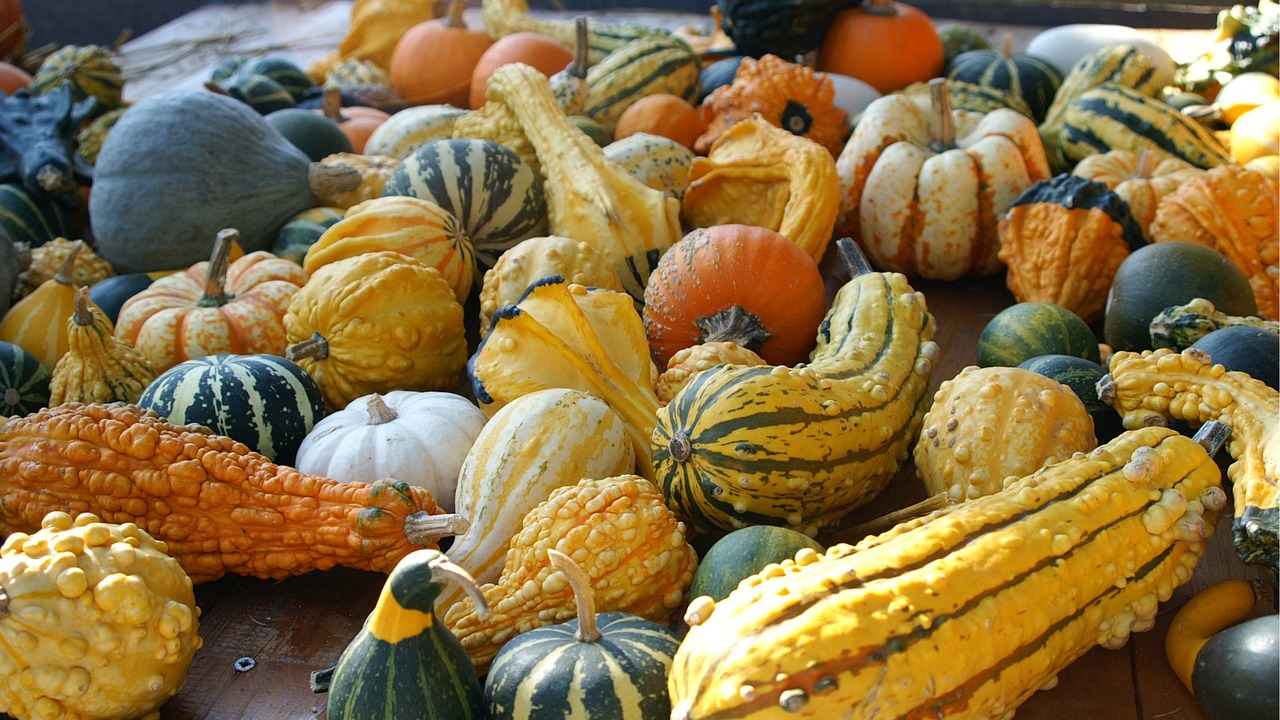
{"x":97,"y":367}
{"x":37,"y":322}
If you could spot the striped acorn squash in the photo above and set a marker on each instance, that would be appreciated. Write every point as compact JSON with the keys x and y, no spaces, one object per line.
{"x":1111,"y":117}
{"x":611,"y":666}
{"x":404,"y":662}
{"x":264,"y":401}
{"x":28,"y":219}
{"x":659,"y":162}
{"x":803,"y":446}
{"x":88,"y":69}
{"x":1031,"y":78}
{"x":930,"y":618}
{"x":647,"y":66}
{"x":24,"y":381}
{"x":494,"y":194}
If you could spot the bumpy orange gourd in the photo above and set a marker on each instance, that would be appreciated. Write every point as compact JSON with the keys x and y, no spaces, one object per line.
{"x":219,"y":506}
{"x":212,"y":307}
{"x":1139,"y":178}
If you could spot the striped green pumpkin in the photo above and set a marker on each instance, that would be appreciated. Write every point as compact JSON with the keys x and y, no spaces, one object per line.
{"x":404,"y":663}
{"x":1031,"y":78}
{"x":302,"y":231}
{"x":24,"y":382}
{"x":287,"y":74}
{"x":88,"y":69}
{"x":971,"y":97}
{"x":259,"y":92}
{"x":264,"y":401}
{"x":492,"y":192}
{"x":30,"y":220}
{"x":1029,"y":329}
{"x":1110,"y":117}
{"x":643,"y":67}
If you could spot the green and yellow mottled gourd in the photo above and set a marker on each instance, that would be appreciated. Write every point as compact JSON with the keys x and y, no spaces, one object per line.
{"x":803,"y":446}
{"x":1148,"y":388}
{"x":97,"y":367}
{"x":931,"y":619}
{"x":505,"y":17}
{"x":646,"y":66}
{"x":1180,"y":326}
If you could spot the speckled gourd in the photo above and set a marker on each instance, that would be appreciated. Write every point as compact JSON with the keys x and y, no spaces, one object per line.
{"x":97,"y":367}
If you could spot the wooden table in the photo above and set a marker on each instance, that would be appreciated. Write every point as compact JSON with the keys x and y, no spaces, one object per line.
{"x":293,"y":627}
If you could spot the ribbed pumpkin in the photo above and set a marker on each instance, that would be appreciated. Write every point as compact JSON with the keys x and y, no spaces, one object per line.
{"x":1032,"y":78}
{"x":37,"y":322}
{"x":433,"y":60}
{"x":418,"y":228}
{"x":494,"y":194}
{"x":739,"y":283}
{"x":264,"y":401}
{"x":611,"y":666}
{"x":88,"y":69}
{"x":375,"y":322}
{"x":24,"y":381}
{"x":213,"y":307}
{"x":97,"y":367}
{"x":1142,"y":179}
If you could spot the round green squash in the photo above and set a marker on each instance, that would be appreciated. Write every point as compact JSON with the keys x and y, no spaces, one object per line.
{"x":311,"y":132}
{"x":1082,"y":377}
{"x":1245,"y":349}
{"x":744,"y":552}
{"x":1029,"y":329}
{"x":1032,"y":78}
{"x":24,"y":382}
{"x":1165,"y":274}
{"x":264,"y":401}
{"x":1236,"y":675}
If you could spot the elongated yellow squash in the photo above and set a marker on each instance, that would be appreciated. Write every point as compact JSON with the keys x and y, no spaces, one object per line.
{"x":964,"y":613}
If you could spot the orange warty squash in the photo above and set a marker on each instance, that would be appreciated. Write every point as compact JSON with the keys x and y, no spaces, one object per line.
{"x":740,"y":283}
{"x":886,"y":44}
{"x":213,"y":307}
{"x":434,"y":60}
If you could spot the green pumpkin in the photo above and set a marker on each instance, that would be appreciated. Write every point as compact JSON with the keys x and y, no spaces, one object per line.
{"x":1033,"y":79}
{"x":24,"y":382}
{"x":404,"y":663}
{"x":1029,"y":329}
{"x":743,"y":553}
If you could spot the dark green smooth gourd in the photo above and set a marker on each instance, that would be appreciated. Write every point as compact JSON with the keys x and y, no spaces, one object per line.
{"x":1237,"y":672}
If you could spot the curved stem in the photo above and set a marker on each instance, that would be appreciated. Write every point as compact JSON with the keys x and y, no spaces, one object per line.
{"x":81,"y":315}
{"x":424,"y":529}
{"x":215,"y":276}
{"x":67,"y":273}
{"x":879,"y":7}
{"x":453,"y":15}
{"x":441,"y":566}
{"x":315,"y":347}
{"x":326,"y":179}
{"x":331,"y":104}
{"x":585,"y":596}
{"x":1145,"y":165}
{"x":379,"y":411}
{"x":853,"y":257}
{"x":1007,"y":50}
{"x":581,"y":50}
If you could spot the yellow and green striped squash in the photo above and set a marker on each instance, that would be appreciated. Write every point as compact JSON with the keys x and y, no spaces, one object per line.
{"x":88,"y":69}
{"x":656,"y":64}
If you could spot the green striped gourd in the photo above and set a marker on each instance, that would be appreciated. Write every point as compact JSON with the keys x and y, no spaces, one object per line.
{"x":506,"y":17}
{"x":28,"y":219}
{"x":1123,"y":65}
{"x":24,"y":381}
{"x":493,"y":193}
{"x":1031,"y":78}
{"x":611,"y":666}
{"x":1111,"y":117}
{"x":970,"y":96}
{"x":643,"y":67}
{"x":260,"y":92}
{"x":409,"y":129}
{"x":302,"y":231}
{"x":285,"y":73}
{"x":803,"y":446}
{"x":404,"y":662}
{"x":88,"y":69}
{"x":264,"y":401}
{"x":533,"y":445}
{"x":966,"y":612}
{"x":658,"y":162}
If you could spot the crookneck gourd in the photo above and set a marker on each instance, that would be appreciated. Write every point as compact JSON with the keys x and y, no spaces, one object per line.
{"x":1180,"y":326}
{"x":878,"y":629}
{"x":1150,"y":387}
{"x":97,"y":367}
{"x":219,"y":506}
{"x":802,"y":446}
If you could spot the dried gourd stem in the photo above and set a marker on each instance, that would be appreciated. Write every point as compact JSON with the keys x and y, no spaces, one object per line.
{"x":944,"y":124}
{"x":81,"y":314}
{"x":450,"y":571}
{"x":885,"y":522}
{"x":1007,"y":51}
{"x":1145,"y":165}
{"x":1212,"y":436}
{"x":581,"y":50}
{"x":215,"y":276}
{"x":67,"y":273}
{"x":379,"y":411}
{"x":453,"y":15}
{"x":327,"y":179}
{"x":315,"y":347}
{"x":853,"y":257}
{"x":734,"y":324}
{"x":331,"y":104}
{"x":424,"y":529}
{"x":588,"y":631}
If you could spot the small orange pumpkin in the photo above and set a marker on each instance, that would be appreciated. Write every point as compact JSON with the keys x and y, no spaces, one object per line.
{"x":213,"y":307}
{"x":888,"y":45}
{"x":740,"y":283}
{"x":357,"y":122}
{"x":533,"y":49}
{"x":433,"y":60}
{"x":13,"y":78}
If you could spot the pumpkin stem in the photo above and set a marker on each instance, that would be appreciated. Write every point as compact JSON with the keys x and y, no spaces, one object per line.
{"x":453,"y":15}
{"x":424,"y":529}
{"x":588,"y":631}
{"x":734,"y":324}
{"x":880,"y":524}
{"x":1007,"y":50}
{"x":879,"y":7}
{"x":581,"y":47}
{"x":944,"y":124}
{"x":1145,"y":165}
{"x":67,"y":273}
{"x":331,"y":104}
{"x":1212,"y":436}
{"x":681,"y":447}
{"x":449,"y":571}
{"x":215,"y":276}
{"x":82,"y":315}
{"x":315,"y":347}
{"x":853,"y":257}
{"x":379,"y":411}
{"x":327,"y":179}
{"x":215,"y":88}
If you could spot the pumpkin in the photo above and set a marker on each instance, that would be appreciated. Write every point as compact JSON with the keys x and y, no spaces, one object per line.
{"x":1030,"y":329}
{"x":686,"y":363}
{"x":664,"y":115}
{"x":696,"y":294}
{"x":1140,"y":178}
{"x":89,"y":70}
{"x":238,"y":171}
{"x":923,"y":190}
{"x":1256,"y":133}
{"x":373,"y":31}
{"x":618,"y":660}
{"x":357,"y":122}
{"x":418,"y":437}
{"x":72,"y":580}
{"x":404,"y":662}
{"x":374,"y":170}
{"x":786,"y":94}
{"x":97,"y":367}
{"x":259,"y":518}
{"x":761,"y":175}
{"x":434,"y":60}
{"x":14,"y":30}
{"x":1027,"y":76}
{"x":37,"y":322}
{"x":215,"y":306}
{"x":987,"y":424}
{"x":536,"y":50}
{"x":375,"y":322}
{"x":24,"y":382}
{"x":1063,"y":240}
{"x":536,"y":443}
{"x":886,"y":44}
{"x":405,"y":131}
{"x":496,"y":196}
{"x":1233,"y":210}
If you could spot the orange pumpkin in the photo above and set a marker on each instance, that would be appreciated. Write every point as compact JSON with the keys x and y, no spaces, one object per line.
{"x":533,"y":49}
{"x":662,"y":114}
{"x":357,"y":122}
{"x":433,"y":60}
{"x":740,"y":283}
{"x":213,"y":307}
{"x":14,"y":30}
{"x":13,"y":78}
{"x":888,"y":45}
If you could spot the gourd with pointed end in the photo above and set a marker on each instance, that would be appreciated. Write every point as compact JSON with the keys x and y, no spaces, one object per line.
{"x":97,"y":367}
{"x":405,"y":662}
{"x":609,"y":666}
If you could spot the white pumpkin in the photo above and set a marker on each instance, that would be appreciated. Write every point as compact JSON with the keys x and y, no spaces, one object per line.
{"x":421,"y":438}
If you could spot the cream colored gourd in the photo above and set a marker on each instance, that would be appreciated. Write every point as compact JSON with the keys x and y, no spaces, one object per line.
{"x":421,"y":438}
{"x":96,"y":621}
{"x":989,"y":424}
{"x":533,"y":259}
{"x":409,"y":129}
{"x":535,"y":444}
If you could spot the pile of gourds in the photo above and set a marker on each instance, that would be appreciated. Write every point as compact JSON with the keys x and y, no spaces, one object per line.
{"x":438,"y":284}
